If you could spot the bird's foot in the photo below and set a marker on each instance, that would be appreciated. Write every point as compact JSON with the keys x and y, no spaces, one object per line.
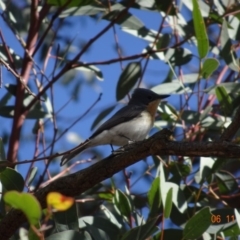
{"x":118,"y":151}
{"x":125,"y":148}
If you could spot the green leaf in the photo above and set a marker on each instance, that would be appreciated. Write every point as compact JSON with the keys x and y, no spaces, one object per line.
{"x":111,"y":216}
{"x":100,"y":223}
{"x":106,"y":196}
{"x":96,"y":233}
{"x":12,"y":88}
{"x":168,"y":203}
{"x":67,"y":219}
{"x":47,"y":104}
{"x":227,"y":52}
{"x":25,"y":202}
{"x":142,"y":232}
{"x":169,"y":234}
{"x":122,"y":204}
{"x":212,"y":123}
{"x":205,"y":113}
{"x":70,"y":234}
{"x":219,"y":164}
{"x":172,"y":87}
{"x":11,"y":180}
{"x":215,"y":18}
{"x":200,"y":30}
{"x":198,"y":224}
{"x":32,"y":175}
{"x":76,"y":90}
{"x":145,"y":5}
{"x":31,"y":233}
{"x":2,"y":5}
{"x":224,"y":100}
{"x":230,"y":87}
{"x":39,"y":110}
{"x":205,"y":169}
{"x":2,"y":151}
{"x":128,"y":79}
{"x":165,"y":6}
{"x":154,"y":198}
{"x":72,"y":3}
{"x":101,"y":116}
{"x":178,"y":56}
{"x":190,"y":117}
{"x":163,"y":41}
{"x":178,"y":197}
{"x":226,"y":182}
{"x":92,"y":69}
{"x":154,"y":193}
{"x":191,"y":192}
{"x":182,"y":169}
{"x":237,"y":216}
{"x":209,"y":66}
{"x":155,"y":55}
{"x":16,"y":58}
{"x":84,"y":10}
{"x":142,"y":33}
{"x":232,"y":231}
{"x":3,"y":165}
{"x":128,"y":20}
{"x":36,"y":112}
{"x":5,"y":99}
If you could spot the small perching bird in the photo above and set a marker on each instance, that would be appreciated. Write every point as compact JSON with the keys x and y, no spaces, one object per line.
{"x":131,"y":123}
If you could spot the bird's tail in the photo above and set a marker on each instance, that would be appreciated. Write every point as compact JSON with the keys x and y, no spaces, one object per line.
{"x":74,"y":152}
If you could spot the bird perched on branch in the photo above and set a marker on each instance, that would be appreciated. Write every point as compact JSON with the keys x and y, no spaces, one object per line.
{"x":131,"y":123}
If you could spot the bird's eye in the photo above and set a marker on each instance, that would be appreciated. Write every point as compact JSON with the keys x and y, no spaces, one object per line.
{"x":149,"y":97}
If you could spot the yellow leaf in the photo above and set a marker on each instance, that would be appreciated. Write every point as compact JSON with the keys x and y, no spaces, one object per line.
{"x":58,"y":201}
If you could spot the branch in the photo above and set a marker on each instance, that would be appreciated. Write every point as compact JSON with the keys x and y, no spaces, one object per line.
{"x":77,"y":183}
{"x":127,"y":58}
{"x":231,"y":130}
{"x":19,"y":118}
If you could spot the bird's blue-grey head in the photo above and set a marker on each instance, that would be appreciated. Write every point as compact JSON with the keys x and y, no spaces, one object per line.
{"x":143,"y":96}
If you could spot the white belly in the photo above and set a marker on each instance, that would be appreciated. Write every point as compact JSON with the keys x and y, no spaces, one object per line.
{"x":135,"y":130}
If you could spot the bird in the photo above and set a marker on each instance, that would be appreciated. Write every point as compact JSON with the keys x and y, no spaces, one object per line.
{"x":130,"y":124}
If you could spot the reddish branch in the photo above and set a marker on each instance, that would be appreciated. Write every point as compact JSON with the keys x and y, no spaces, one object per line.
{"x":19,"y":117}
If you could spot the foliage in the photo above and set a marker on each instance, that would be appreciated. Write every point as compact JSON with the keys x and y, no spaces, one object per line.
{"x":192,"y":45}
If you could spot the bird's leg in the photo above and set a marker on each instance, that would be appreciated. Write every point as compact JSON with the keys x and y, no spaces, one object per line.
{"x":125,"y":148}
{"x":112,"y":147}
{"x":122,"y":149}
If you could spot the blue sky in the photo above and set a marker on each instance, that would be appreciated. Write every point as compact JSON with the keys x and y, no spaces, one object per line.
{"x":82,"y":29}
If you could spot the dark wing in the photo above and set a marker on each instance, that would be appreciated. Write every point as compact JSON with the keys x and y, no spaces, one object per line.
{"x":123,"y":115}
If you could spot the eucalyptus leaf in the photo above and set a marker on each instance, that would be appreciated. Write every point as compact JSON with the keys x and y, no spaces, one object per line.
{"x":198,"y":224}
{"x":226,"y":53}
{"x":209,"y":66}
{"x":128,"y":79}
{"x":2,"y":151}
{"x":224,"y":100}
{"x":11,"y":180}
{"x":200,"y":30}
